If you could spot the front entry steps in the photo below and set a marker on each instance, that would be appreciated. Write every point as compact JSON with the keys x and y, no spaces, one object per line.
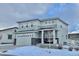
{"x":52,"y":46}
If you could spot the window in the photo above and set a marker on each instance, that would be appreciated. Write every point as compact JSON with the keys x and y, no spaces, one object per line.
{"x":26,"y":25}
{"x":31,"y":25}
{"x":14,"y":30}
{"x":66,"y":37}
{"x":65,"y":43}
{"x":69,"y":36}
{"x":22,"y":26}
{"x":45,"y":22}
{"x":0,"y":37}
{"x":9,"y":36}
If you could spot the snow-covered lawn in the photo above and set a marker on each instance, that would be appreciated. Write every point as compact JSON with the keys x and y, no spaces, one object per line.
{"x":36,"y":51}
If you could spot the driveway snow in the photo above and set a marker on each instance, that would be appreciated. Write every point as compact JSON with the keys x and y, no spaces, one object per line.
{"x":36,"y":51}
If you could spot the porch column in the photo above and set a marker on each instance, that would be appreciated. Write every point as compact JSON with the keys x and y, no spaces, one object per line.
{"x":54,"y":41}
{"x":42,"y":36}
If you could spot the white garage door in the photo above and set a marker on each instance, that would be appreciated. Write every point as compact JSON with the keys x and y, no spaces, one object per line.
{"x":23,"y":41}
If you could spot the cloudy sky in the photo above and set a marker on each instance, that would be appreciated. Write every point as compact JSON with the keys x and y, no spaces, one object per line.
{"x":11,"y":13}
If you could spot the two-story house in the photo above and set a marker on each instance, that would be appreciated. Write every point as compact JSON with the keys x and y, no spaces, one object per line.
{"x":42,"y":31}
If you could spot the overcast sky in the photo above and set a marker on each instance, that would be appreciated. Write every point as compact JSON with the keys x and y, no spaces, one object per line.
{"x":11,"y":13}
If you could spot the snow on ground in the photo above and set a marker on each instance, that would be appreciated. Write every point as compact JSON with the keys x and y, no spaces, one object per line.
{"x":36,"y":51}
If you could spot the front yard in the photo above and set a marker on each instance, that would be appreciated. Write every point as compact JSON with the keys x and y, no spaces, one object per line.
{"x":36,"y":51}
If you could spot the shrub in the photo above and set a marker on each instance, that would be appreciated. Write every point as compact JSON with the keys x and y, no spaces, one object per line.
{"x":76,"y":49}
{"x":54,"y":46}
{"x":60,"y":47}
{"x":70,"y":48}
{"x":4,"y":51}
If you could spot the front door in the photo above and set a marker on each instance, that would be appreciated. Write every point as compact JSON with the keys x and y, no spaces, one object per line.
{"x":35,"y":41}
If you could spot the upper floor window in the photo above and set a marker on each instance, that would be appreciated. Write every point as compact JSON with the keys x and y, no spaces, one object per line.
{"x":22,"y":26}
{"x":31,"y":25}
{"x":26,"y":25}
{"x":60,"y":26}
{"x":45,"y":22}
{"x":53,"y":21}
{"x":14,"y":30}
{"x":9,"y":36}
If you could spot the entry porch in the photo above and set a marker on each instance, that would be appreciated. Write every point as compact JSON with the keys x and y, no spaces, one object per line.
{"x":46,"y":36}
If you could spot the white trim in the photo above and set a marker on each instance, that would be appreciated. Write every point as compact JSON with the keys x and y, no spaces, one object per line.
{"x":54,"y":42}
{"x":46,"y":29}
{"x":42,"y":40}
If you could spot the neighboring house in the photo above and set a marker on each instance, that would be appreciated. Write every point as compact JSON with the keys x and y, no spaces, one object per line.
{"x":42,"y":31}
{"x":74,"y":37}
{"x":7,"y":36}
